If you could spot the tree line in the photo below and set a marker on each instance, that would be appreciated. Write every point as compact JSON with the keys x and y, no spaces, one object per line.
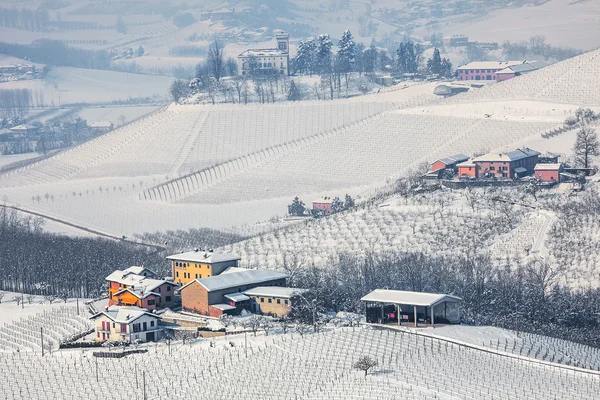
{"x":15,"y":102}
{"x":53,"y":52}
{"x":25,"y":19}
{"x":33,"y":261}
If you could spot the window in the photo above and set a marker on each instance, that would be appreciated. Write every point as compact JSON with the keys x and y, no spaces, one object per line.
{"x":196,"y":276}
{"x":492,"y":168}
{"x":98,"y":334}
{"x":286,"y":302}
{"x":151,"y":324}
{"x":278,"y":301}
{"x":113,"y":325}
{"x":168,"y":298}
{"x":168,"y":288}
{"x":136,"y":328}
{"x":177,"y":274}
{"x":177,"y":264}
{"x":262,"y":299}
{"x":159,"y":290}
{"x":124,"y":328}
{"x":151,"y":302}
{"x":270,"y":300}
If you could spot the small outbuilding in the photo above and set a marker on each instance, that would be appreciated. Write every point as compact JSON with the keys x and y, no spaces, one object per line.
{"x":548,"y":172}
{"x":396,"y":306}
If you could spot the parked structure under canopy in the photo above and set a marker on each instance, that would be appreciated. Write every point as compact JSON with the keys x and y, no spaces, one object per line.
{"x":389,"y":306}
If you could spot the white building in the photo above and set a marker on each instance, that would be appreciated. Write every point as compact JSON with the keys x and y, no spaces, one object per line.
{"x":126,"y":324}
{"x":277,"y":59}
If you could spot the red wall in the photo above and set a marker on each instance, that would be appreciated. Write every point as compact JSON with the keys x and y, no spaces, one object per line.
{"x":322,"y":206}
{"x":548,"y":176}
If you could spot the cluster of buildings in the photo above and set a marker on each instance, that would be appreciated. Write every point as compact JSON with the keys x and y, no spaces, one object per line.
{"x":203,"y":282}
{"x":496,"y":71}
{"x":269,"y":59}
{"x":510,"y":165}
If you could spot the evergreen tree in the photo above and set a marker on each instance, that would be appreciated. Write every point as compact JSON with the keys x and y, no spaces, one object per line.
{"x":120,"y":25}
{"x":370,"y":59}
{"x":348,"y":202}
{"x":434,"y":64}
{"x":446,"y":68}
{"x":294,"y":92}
{"x":140,"y":51}
{"x":304,"y":62}
{"x":409,"y":57}
{"x":324,"y":56}
{"x":347,"y":52}
{"x":337,"y":205}
{"x":297,"y":208}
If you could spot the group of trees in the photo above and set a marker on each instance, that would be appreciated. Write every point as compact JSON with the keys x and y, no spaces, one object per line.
{"x":298,"y":208}
{"x":537,"y":48}
{"x":586,"y":145}
{"x":42,"y":263}
{"x":53,"y":52}
{"x":15,"y":102}
{"x":25,"y":19}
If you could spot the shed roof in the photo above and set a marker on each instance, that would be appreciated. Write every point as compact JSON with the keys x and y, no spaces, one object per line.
{"x":520,"y":68}
{"x":263,"y":53}
{"x":208,"y":257}
{"x":411,"y":298}
{"x":237,"y":297}
{"x":222,"y":307}
{"x":241,"y":278}
{"x":456,"y":158}
{"x":548,"y":167}
{"x":274,"y":291}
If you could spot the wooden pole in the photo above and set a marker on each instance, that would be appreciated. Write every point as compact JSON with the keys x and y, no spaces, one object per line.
{"x":398,"y":313}
{"x":42,"y":339}
{"x":432,"y":318}
{"x":97,"y":377}
{"x":144,"y":383}
{"x":415,"y":313}
{"x":246,"y":343}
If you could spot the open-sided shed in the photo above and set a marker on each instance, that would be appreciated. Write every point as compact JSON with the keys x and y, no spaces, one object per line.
{"x":388,"y":306}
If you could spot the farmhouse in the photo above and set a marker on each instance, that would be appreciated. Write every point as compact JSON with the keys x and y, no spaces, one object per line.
{"x":135,"y":286}
{"x":323,"y":204}
{"x":263,"y":60}
{"x":489,"y":70}
{"x":273,"y":300}
{"x":548,"y":172}
{"x":126,"y":324}
{"x":512,"y":164}
{"x":448,"y":162}
{"x":101,"y":127}
{"x":396,"y":306}
{"x":218,"y":15}
{"x":199,"y":264}
{"x":224,"y":294}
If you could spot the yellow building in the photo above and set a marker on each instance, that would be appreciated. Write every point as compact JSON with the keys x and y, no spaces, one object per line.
{"x":273,"y":300}
{"x":200,"y":264}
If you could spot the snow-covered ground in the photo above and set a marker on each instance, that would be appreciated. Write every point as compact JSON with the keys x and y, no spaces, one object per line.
{"x":65,"y":85}
{"x":10,"y":311}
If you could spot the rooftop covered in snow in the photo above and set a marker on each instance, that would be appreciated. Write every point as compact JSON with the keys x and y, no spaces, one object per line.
{"x":409,"y":298}
{"x":203,"y":256}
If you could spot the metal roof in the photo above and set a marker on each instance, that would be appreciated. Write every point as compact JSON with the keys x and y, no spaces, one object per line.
{"x":410,"y":298}
{"x":241,"y":278}
{"x":274,"y":291}
{"x":237,"y":297}
{"x":208,"y":257}
{"x":222,"y":307}
{"x":509,"y":155}
{"x":457,"y":158}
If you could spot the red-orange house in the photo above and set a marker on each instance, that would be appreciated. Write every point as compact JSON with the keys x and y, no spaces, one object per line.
{"x":136,"y":286}
{"x":548,"y":172}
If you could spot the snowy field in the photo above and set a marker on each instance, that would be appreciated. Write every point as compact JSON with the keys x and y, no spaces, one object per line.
{"x":65,"y":85}
{"x":113,"y":114}
{"x":313,"y":366}
{"x":10,"y":311}
{"x":228,"y":165}
{"x":563,"y":23}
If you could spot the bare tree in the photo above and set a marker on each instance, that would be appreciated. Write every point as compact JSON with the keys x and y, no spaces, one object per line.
{"x":1,"y":297}
{"x":586,"y":146}
{"x":365,"y":363}
{"x":254,"y":323}
{"x":64,"y":296}
{"x":50,"y":298}
{"x":18,"y":299}
{"x":215,"y":59}
{"x":30,"y":298}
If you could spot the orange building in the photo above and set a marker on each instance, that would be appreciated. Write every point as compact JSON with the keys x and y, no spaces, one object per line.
{"x":135,"y":286}
{"x":448,"y":162}
{"x":200,"y":264}
{"x":548,"y":172}
{"x":468,"y":169}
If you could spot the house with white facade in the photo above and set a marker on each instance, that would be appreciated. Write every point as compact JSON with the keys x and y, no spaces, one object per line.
{"x":127,"y":324}
{"x":271,"y":59}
